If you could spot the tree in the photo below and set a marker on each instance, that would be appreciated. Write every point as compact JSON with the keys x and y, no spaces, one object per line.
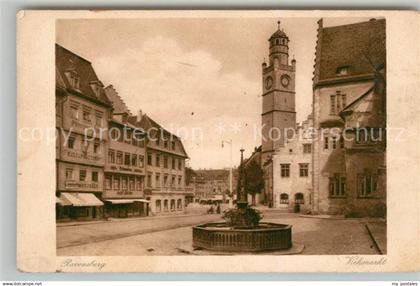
{"x":254,"y":179}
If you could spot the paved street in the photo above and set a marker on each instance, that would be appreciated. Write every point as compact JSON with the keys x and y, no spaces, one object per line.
{"x":173,"y":236}
{"x":95,"y":232}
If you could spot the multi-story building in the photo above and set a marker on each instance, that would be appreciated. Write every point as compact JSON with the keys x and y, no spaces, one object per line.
{"x":124,"y":168}
{"x":292,"y":178}
{"x":211,"y":184}
{"x":346,"y":68}
{"x":82,"y":112}
{"x":165,"y":167}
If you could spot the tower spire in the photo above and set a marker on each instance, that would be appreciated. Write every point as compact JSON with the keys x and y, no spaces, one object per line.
{"x":278,"y":24}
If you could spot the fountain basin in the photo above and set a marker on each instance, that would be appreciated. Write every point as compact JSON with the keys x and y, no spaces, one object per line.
{"x":264,"y":237}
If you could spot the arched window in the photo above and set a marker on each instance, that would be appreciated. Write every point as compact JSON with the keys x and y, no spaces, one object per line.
{"x":277,"y":42}
{"x":284,"y":198}
{"x":165,"y":205}
{"x":299,"y":198}
{"x":276,"y":61}
{"x":179,"y":204}
{"x":172,"y":205}
{"x":158,"y":206}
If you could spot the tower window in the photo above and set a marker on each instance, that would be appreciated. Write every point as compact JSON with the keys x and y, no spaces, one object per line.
{"x":307,"y":148}
{"x":334,"y":142}
{"x":277,"y":42}
{"x":332,"y":104}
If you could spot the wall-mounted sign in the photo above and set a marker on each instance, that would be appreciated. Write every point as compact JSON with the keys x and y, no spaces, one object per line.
{"x":80,"y":185}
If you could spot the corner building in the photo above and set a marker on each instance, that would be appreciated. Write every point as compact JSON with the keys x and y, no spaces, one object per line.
{"x":349,"y":175}
{"x":82,"y":112}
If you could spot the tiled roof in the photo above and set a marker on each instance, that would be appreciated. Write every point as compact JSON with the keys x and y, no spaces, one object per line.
{"x":117,"y":102}
{"x":146,"y":123}
{"x":278,"y":34}
{"x":213,"y":174}
{"x":359,"y":47}
{"x":66,"y":61}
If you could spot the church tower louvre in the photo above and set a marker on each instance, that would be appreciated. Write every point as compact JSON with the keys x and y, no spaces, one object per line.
{"x":278,"y":106}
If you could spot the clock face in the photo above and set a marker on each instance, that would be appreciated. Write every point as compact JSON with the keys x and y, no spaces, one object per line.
{"x":285,"y":80}
{"x":268,"y":82}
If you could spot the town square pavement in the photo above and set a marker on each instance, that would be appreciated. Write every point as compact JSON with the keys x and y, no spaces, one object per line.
{"x":172,"y":235}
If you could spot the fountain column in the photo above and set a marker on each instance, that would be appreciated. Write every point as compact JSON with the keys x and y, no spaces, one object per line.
{"x":241,"y":196}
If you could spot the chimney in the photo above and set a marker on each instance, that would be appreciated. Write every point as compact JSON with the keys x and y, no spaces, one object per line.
{"x":139,"y":115}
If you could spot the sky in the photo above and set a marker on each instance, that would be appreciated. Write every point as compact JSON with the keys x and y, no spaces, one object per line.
{"x":200,"y":78}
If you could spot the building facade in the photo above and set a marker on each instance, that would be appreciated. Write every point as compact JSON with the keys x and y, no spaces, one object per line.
{"x":125,"y":167}
{"x":110,"y":163}
{"x":82,"y":113}
{"x":165,"y":168}
{"x":292,"y":174}
{"x":211,"y":185}
{"x":346,"y":68}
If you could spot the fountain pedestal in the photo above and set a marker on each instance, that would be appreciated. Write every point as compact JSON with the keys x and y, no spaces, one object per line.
{"x":243,"y":231}
{"x":264,"y":237}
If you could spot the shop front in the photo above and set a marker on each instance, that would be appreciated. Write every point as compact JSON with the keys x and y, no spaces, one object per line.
{"x":62,"y":209}
{"x":124,"y":208}
{"x":78,"y":206}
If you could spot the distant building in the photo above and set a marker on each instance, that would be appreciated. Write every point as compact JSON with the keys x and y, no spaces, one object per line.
{"x":82,"y":110}
{"x":349,"y":175}
{"x":125,"y":167}
{"x":211,"y":185}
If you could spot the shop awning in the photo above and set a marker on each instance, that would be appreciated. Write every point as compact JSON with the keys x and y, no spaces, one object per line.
{"x":62,"y":201}
{"x":82,"y":199}
{"x":115,"y":202}
{"x":142,"y":200}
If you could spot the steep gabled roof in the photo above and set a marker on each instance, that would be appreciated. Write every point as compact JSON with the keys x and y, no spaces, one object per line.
{"x":67,"y":61}
{"x":147,"y":123}
{"x":359,"y":47}
{"x":118,"y":103}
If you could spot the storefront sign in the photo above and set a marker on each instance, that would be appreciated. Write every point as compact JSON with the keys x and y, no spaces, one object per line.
{"x":81,"y":155}
{"x":125,"y":169}
{"x":81,"y":185}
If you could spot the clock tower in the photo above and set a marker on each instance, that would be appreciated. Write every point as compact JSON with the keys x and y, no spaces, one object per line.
{"x":278,"y":107}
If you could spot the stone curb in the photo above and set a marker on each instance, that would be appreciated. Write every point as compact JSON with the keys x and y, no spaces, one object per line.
{"x":67,"y":224}
{"x":297,"y":248}
{"x":372,"y":237}
{"x":128,"y":234}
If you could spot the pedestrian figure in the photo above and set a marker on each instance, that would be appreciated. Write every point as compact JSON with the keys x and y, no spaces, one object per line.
{"x":218,"y":208}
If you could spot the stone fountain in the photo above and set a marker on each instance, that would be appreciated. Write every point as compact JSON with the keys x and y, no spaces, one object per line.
{"x":242,"y":230}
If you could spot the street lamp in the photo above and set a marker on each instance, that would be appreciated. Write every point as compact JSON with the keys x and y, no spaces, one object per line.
{"x":230,"y":171}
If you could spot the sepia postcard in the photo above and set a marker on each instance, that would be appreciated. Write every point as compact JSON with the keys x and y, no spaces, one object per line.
{"x":218,"y":141}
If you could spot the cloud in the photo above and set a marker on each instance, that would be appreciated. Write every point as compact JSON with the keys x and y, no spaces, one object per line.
{"x":187,"y":89}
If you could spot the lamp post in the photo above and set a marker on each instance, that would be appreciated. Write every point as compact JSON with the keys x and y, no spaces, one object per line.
{"x":230,"y":171}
